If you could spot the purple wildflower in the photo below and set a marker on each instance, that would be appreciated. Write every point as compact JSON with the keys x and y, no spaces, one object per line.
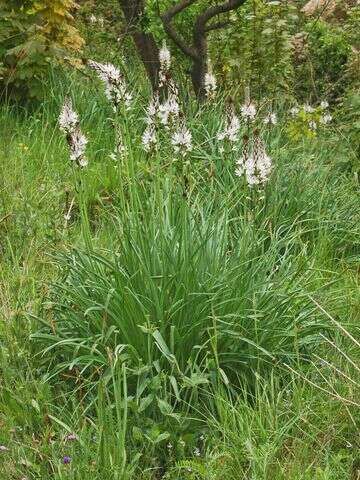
{"x":66,"y":460}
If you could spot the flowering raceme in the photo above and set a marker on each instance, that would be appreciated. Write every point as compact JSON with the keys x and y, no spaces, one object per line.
{"x":115,"y":86}
{"x":70,"y":125}
{"x":232,"y":127}
{"x":294,"y":111}
{"x":169,"y":110}
{"x":248,"y":111}
{"x":165,"y":64}
{"x":270,"y":119}
{"x":210,"y":84}
{"x":255,"y":165}
{"x":182,"y":140}
{"x":149,"y":137}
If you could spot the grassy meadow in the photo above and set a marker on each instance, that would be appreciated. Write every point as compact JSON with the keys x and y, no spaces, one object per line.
{"x":159,"y":318}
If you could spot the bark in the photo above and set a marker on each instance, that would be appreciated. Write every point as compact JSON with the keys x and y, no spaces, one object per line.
{"x":145,"y":43}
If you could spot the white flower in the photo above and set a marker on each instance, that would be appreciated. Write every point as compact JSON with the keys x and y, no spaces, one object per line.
{"x":165,"y":57}
{"x":240,"y":167}
{"x":312,"y":125}
{"x":92,"y":18}
{"x":197,"y":452}
{"x":77,"y":143}
{"x":182,"y":140}
{"x":294,"y":111}
{"x":82,"y":162}
{"x":115,"y":87}
{"x":270,"y":119}
{"x":324,"y":105}
{"x":152,"y":109}
{"x":248,"y":111}
{"x":210,"y":84}
{"x":149,"y":139}
{"x":68,"y":118}
{"x":69,"y":124}
{"x":257,"y":166}
{"x":169,"y":110}
{"x":165,"y":64}
{"x":232,"y":127}
{"x":325,"y":119}
{"x":308,"y":108}
{"x":250,"y":172}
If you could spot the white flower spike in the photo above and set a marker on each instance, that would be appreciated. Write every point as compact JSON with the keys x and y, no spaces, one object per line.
{"x":70,"y":125}
{"x":115,"y":86}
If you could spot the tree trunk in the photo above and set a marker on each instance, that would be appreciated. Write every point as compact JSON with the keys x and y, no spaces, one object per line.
{"x":144,"y":42}
{"x":200,"y":64}
{"x":198,"y":72}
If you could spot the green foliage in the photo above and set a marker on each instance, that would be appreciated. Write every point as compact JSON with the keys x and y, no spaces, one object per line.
{"x":327,"y":42}
{"x":258,"y":42}
{"x":33,"y":36}
{"x":350,"y":127}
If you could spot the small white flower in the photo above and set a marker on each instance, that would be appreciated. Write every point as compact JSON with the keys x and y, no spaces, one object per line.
{"x":152,"y":109}
{"x":248,"y":111}
{"x":325,"y":119}
{"x":77,"y":143}
{"x":69,"y":123}
{"x":165,"y":57}
{"x":115,"y":87}
{"x":308,"y":108}
{"x":182,"y":140}
{"x":165,"y":64}
{"x":270,"y":119}
{"x":210,"y":84}
{"x":93,"y":19}
{"x":312,"y":125}
{"x":294,"y":111}
{"x":169,"y":110}
{"x":68,"y":118}
{"x":257,"y":166}
{"x":83,"y":162}
{"x":197,"y":452}
{"x":149,"y":139}
{"x":324,"y":105}
{"x":232,"y":127}
{"x":240,"y":167}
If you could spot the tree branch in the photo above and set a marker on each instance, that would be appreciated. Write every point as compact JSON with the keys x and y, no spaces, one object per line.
{"x":211,"y":12}
{"x":218,"y":26}
{"x":167,"y":18}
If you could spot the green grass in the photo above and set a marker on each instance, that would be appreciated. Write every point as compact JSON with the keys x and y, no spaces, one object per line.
{"x":181,"y":324}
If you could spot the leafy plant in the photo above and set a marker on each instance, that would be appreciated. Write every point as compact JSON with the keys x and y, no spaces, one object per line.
{"x":33,"y":36}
